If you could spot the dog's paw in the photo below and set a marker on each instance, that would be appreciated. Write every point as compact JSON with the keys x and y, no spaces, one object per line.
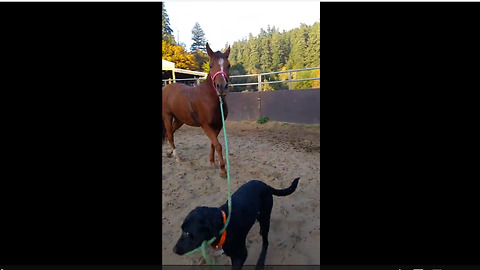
{"x":259,"y":267}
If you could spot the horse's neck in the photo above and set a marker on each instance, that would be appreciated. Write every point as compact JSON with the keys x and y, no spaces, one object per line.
{"x":206,"y":89}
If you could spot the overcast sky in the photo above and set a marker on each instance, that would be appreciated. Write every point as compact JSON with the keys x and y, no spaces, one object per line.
{"x":229,"y":21}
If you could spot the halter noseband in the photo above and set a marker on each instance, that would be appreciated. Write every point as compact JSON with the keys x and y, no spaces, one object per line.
{"x":215,"y":75}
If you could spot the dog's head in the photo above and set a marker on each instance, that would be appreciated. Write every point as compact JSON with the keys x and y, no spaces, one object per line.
{"x":201,"y":224}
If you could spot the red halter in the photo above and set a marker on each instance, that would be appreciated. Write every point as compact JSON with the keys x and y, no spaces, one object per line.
{"x":215,"y":75}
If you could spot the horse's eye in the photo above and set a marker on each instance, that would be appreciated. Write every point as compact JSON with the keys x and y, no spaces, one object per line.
{"x":228,"y":65}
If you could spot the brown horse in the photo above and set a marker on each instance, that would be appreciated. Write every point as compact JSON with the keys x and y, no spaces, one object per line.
{"x":199,"y":106}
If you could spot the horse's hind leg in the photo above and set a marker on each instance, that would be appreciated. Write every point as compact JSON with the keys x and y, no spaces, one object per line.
{"x":169,"y":127}
{"x":212,"y":155}
{"x":176,"y":125}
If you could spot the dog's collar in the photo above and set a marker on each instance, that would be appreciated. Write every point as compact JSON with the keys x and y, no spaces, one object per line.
{"x":224,"y":234}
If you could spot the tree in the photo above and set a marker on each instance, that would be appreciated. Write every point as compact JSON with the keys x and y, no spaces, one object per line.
{"x":206,"y":67}
{"x":201,"y":59}
{"x":178,"y":55}
{"x":198,"y":37}
{"x":313,"y":46}
{"x":277,"y":51}
{"x":272,"y":50}
{"x":265,"y":52}
{"x":252,"y":64}
{"x":166,"y":30}
{"x":298,"y":47}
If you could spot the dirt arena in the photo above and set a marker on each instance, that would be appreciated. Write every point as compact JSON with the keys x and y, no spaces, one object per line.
{"x":273,"y":152}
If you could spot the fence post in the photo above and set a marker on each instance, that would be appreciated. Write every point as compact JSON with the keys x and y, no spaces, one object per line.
{"x":198,"y":81}
{"x":259,"y":82}
{"x":289,"y":80}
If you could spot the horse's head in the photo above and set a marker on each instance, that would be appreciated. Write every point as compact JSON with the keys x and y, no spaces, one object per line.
{"x":219,"y":70}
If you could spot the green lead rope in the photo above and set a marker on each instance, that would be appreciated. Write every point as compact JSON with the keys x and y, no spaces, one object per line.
{"x":209,"y":242}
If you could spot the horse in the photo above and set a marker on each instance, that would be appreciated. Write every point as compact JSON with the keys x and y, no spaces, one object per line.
{"x":199,"y":106}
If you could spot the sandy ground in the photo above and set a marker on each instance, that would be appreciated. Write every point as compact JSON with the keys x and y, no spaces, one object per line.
{"x":275,"y":153}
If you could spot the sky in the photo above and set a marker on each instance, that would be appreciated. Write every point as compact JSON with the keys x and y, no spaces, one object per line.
{"x":229,"y":21}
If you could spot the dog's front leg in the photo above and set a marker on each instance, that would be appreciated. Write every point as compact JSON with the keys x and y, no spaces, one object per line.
{"x":237,"y":264}
{"x":261,"y":260}
{"x":239,"y":259}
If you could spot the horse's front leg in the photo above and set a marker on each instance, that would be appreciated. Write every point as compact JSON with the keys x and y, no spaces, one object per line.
{"x":212,"y":135}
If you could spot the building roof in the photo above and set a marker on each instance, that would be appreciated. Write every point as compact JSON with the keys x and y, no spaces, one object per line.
{"x":191,"y":72}
{"x":167,"y":65}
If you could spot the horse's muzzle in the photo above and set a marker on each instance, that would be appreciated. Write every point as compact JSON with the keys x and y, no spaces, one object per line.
{"x":222,"y":90}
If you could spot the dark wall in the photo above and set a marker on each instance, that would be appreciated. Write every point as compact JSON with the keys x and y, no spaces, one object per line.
{"x":294,"y":106}
{"x":243,"y":106}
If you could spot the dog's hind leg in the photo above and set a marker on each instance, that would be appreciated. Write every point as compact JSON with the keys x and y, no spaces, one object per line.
{"x":264,"y":220}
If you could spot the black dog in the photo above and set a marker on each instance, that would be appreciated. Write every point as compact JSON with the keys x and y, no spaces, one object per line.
{"x":252,"y":201}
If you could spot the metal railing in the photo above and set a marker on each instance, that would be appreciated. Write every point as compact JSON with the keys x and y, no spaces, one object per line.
{"x":259,"y":78}
{"x":260,"y":82}
{"x":195,"y":80}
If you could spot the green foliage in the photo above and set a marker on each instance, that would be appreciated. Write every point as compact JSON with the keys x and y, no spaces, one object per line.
{"x":198,"y":37}
{"x":272,"y":50}
{"x":262,"y":120}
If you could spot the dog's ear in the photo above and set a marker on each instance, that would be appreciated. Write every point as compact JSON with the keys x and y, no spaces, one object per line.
{"x":214,"y":222}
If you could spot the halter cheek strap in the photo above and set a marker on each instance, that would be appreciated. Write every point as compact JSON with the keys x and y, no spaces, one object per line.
{"x":215,"y":75}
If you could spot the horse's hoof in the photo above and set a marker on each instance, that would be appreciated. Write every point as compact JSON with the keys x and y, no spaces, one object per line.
{"x":223,"y":175}
{"x":169,"y":155}
{"x":212,"y":164}
{"x":178,"y":159}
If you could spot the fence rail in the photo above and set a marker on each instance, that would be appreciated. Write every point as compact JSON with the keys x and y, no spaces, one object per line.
{"x":259,"y":78}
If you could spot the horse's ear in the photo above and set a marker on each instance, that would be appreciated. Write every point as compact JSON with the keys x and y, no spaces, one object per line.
{"x":209,"y":51}
{"x":227,"y":52}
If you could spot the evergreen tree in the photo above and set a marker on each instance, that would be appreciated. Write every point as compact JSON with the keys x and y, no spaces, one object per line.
{"x":265,"y":53}
{"x":166,"y":30}
{"x":198,"y":37}
{"x":277,"y":50}
{"x":272,"y":50}
{"x":298,"y":47}
{"x":313,"y":46}
{"x":252,"y":63}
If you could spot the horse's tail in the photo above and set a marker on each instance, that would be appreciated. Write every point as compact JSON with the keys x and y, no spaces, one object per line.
{"x":163,"y":132}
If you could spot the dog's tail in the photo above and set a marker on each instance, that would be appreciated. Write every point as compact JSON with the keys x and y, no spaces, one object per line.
{"x":287,"y":191}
